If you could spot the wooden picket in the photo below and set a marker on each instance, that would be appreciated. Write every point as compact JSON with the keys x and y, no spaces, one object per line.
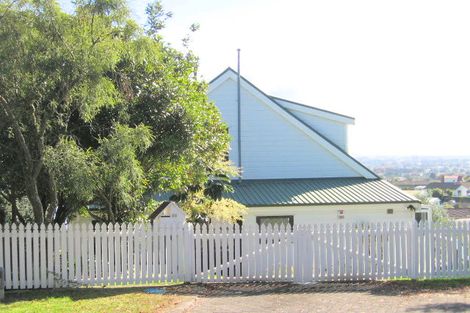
{"x":39,"y":256}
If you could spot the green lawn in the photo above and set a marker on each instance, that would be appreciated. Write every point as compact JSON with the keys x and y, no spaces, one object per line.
{"x":431,"y":284}
{"x":89,"y":300}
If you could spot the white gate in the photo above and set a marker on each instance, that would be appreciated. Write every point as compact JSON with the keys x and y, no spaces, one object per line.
{"x":231,"y":253}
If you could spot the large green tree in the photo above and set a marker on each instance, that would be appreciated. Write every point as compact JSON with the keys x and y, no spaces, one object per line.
{"x":97,"y":110}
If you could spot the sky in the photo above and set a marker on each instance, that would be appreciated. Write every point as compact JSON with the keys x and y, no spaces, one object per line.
{"x":401,"y":68}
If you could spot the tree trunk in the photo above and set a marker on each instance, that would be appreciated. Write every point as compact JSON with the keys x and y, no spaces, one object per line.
{"x":62,"y":211}
{"x":31,"y":169}
{"x":16,"y":216}
{"x":53,"y":201}
{"x":111,"y":217}
{"x":35,"y":200}
{"x":3,"y":215}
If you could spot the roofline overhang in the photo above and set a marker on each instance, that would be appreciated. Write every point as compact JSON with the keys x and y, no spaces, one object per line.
{"x":311,"y":110}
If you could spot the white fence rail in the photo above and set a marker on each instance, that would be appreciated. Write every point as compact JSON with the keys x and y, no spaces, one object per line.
{"x":46,"y":257}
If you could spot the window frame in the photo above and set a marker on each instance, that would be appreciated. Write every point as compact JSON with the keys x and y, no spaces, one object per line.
{"x":290,"y":218}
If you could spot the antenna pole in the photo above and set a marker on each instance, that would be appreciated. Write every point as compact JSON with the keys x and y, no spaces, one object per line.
{"x":239,"y":117}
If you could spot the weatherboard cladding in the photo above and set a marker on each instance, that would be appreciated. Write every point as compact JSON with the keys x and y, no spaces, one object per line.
{"x":316,"y":191}
{"x":254,"y":173}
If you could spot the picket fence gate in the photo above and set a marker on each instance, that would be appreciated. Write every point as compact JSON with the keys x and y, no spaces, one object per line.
{"x":75,"y":255}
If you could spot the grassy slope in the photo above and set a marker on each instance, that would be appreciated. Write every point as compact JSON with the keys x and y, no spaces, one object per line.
{"x":90,"y":300}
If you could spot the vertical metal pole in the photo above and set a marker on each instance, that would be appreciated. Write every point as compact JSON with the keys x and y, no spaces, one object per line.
{"x":2,"y":284}
{"x":239,"y":117}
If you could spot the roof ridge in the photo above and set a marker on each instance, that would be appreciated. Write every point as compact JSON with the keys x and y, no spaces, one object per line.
{"x":306,"y":179}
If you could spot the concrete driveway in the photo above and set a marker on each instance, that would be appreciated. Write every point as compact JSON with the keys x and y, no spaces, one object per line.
{"x":322,"y":297}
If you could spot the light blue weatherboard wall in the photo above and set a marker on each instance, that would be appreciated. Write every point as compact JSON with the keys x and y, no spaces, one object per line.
{"x":271,"y":146}
{"x":335,"y":131}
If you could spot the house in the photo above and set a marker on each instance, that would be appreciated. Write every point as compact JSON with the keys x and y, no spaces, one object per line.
{"x":457,"y":189}
{"x":295,"y":166}
{"x":463,"y":190}
{"x":451,"y":178}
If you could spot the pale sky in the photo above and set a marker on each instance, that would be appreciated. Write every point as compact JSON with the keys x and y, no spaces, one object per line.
{"x":401,"y":68}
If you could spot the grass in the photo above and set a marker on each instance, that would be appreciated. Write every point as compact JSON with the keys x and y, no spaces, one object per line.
{"x":432,"y":284}
{"x":89,"y":300}
{"x":134,"y":299}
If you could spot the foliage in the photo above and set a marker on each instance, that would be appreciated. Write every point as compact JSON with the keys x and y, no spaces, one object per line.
{"x":96,"y":110}
{"x":439,"y":214}
{"x":439,"y":211}
{"x":441,"y":193}
{"x":202,"y":209}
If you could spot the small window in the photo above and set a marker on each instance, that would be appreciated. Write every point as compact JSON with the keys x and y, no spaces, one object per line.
{"x":389,"y":211}
{"x":273,"y":220}
{"x":341,"y":214}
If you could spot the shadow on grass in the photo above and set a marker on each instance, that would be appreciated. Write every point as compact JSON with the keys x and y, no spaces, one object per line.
{"x":380,"y":288}
{"x":74,"y":294}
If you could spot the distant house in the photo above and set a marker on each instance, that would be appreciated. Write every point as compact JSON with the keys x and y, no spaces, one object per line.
{"x":462,"y":191}
{"x":457,"y":188}
{"x":451,"y":178}
{"x":294,"y":160}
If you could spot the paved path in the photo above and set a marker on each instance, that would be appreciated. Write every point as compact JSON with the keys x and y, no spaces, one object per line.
{"x":321,"y":297}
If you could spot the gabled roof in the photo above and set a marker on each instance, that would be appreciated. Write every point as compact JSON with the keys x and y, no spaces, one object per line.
{"x":159,"y":210}
{"x":307,"y":129}
{"x":313,"y":110}
{"x":457,"y":214}
{"x":316,"y":191}
{"x":440,"y":185}
{"x":465,"y":184}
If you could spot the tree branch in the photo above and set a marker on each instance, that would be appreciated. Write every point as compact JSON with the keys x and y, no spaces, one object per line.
{"x":8,"y":7}
{"x":18,"y":133}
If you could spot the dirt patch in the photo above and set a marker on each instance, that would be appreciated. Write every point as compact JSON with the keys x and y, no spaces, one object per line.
{"x":396,"y":296}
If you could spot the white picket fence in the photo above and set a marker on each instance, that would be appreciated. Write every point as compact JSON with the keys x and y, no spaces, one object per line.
{"x":47,"y":257}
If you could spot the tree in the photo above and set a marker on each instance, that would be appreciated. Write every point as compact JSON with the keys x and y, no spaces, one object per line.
{"x":52,"y":65}
{"x":11,"y":186}
{"x":442,"y":194}
{"x":99,"y":111}
{"x":439,"y":211}
{"x":440,"y":214}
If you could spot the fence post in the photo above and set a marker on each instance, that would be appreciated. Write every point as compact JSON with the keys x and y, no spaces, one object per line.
{"x":189,"y":252}
{"x":414,"y":250}
{"x":296,"y":262}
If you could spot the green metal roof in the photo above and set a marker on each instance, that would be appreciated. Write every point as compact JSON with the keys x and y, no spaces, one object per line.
{"x":316,"y":191}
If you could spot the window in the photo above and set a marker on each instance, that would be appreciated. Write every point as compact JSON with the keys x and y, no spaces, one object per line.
{"x":340,"y":214}
{"x":421,"y":216}
{"x":273,"y":220}
{"x":389,"y":211}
